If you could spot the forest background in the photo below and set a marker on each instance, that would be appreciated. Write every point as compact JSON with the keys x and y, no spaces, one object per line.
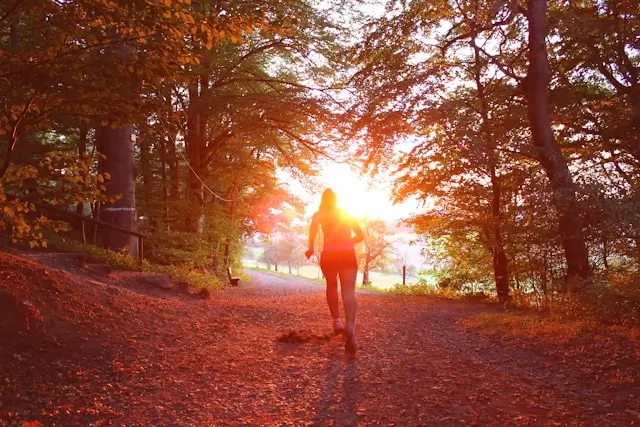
{"x":512,"y":126}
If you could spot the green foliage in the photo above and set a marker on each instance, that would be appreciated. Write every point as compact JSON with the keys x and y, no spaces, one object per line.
{"x":422,"y":288}
{"x":471,"y":159}
{"x":188,"y":273}
{"x":153,"y":66}
{"x":175,"y":248}
{"x":185,"y":271}
{"x":58,"y":180}
{"x":117,"y":259}
{"x":375,"y":251}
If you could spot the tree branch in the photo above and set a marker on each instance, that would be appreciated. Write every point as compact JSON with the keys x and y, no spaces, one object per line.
{"x":11,"y":9}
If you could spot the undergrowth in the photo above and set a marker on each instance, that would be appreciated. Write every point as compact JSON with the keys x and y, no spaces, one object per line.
{"x":425,"y":289}
{"x":186,"y":272}
{"x":605,"y":309}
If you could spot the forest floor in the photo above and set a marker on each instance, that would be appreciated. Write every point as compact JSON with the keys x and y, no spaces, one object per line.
{"x":81,"y":347}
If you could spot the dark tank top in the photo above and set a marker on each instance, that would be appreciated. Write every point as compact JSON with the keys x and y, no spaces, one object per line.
{"x":338,"y":249}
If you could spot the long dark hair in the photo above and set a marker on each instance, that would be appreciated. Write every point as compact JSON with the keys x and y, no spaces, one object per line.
{"x":329,"y":201}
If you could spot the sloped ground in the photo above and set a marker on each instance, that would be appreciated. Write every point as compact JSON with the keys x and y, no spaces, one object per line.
{"x":78,"y":350}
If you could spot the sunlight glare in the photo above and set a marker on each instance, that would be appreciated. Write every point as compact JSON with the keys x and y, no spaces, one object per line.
{"x":355,"y":195}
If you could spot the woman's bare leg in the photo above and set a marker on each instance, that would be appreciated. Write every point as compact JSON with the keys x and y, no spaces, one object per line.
{"x":348,"y":288}
{"x":331,"y":276}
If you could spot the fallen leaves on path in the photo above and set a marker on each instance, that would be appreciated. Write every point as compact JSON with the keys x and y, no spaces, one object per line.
{"x":120,"y":353}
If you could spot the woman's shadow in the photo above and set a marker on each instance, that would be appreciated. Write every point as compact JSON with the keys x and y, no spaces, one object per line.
{"x":340,"y":392}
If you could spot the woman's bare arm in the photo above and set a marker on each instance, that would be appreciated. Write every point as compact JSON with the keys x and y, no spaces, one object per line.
{"x":313,"y":229}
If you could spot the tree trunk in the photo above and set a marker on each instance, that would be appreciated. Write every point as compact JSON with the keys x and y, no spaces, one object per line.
{"x":174,"y":171}
{"x":500,"y":263}
{"x":14,"y":133}
{"x":145,"y":166}
{"x":550,"y":157}
{"x":634,"y":122}
{"x":544,"y":276}
{"x":117,"y":146}
{"x":165,"y":185}
{"x":82,"y":153}
{"x":227,"y":246}
{"x":605,"y":251}
{"x":365,"y":275}
{"x":289,"y":263}
{"x":147,"y":181}
{"x":215,"y":260}
{"x":195,"y":143}
{"x":227,"y":253}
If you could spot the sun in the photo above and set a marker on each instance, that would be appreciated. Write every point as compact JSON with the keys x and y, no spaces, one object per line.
{"x":355,"y":195}
{"x":358,"y":197}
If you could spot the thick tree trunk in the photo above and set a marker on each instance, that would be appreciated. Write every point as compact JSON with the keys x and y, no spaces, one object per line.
{"x":551,"y":159}
{"x":500,"y":263}
{"x":117,"y":146}
{"x":192,"y":142}
{"x":196,"y":148}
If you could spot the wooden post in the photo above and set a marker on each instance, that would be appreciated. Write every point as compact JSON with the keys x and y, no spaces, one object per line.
{"x":404,"y":275}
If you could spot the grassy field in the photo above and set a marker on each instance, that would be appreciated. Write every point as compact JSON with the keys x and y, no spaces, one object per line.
{"x":379,"y":280}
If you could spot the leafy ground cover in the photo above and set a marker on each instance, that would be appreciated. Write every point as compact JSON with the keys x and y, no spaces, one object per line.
{"x":86,"y":347}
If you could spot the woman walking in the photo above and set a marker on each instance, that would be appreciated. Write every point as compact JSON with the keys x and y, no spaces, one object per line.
{"x":338,"y":260}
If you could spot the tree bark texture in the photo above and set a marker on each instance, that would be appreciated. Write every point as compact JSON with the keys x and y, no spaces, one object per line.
{"x":145,"y":166}
{"x":548,"y":150}
{"x":165,"y":184}
{"x":82,"y":153}
{"x":174,"y":171}
{"x":117,"y":145}
{"x":196,"y":147}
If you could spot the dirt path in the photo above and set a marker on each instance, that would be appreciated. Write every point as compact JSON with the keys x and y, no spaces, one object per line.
{"x":179,"y":362}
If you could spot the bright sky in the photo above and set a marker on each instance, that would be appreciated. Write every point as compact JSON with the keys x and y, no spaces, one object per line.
{"x":357,"y":195}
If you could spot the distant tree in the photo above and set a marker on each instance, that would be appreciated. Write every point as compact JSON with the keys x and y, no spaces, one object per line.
{"x":376,"y":248}
{"x":270,"y":255}
{"x":289,"y":248}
